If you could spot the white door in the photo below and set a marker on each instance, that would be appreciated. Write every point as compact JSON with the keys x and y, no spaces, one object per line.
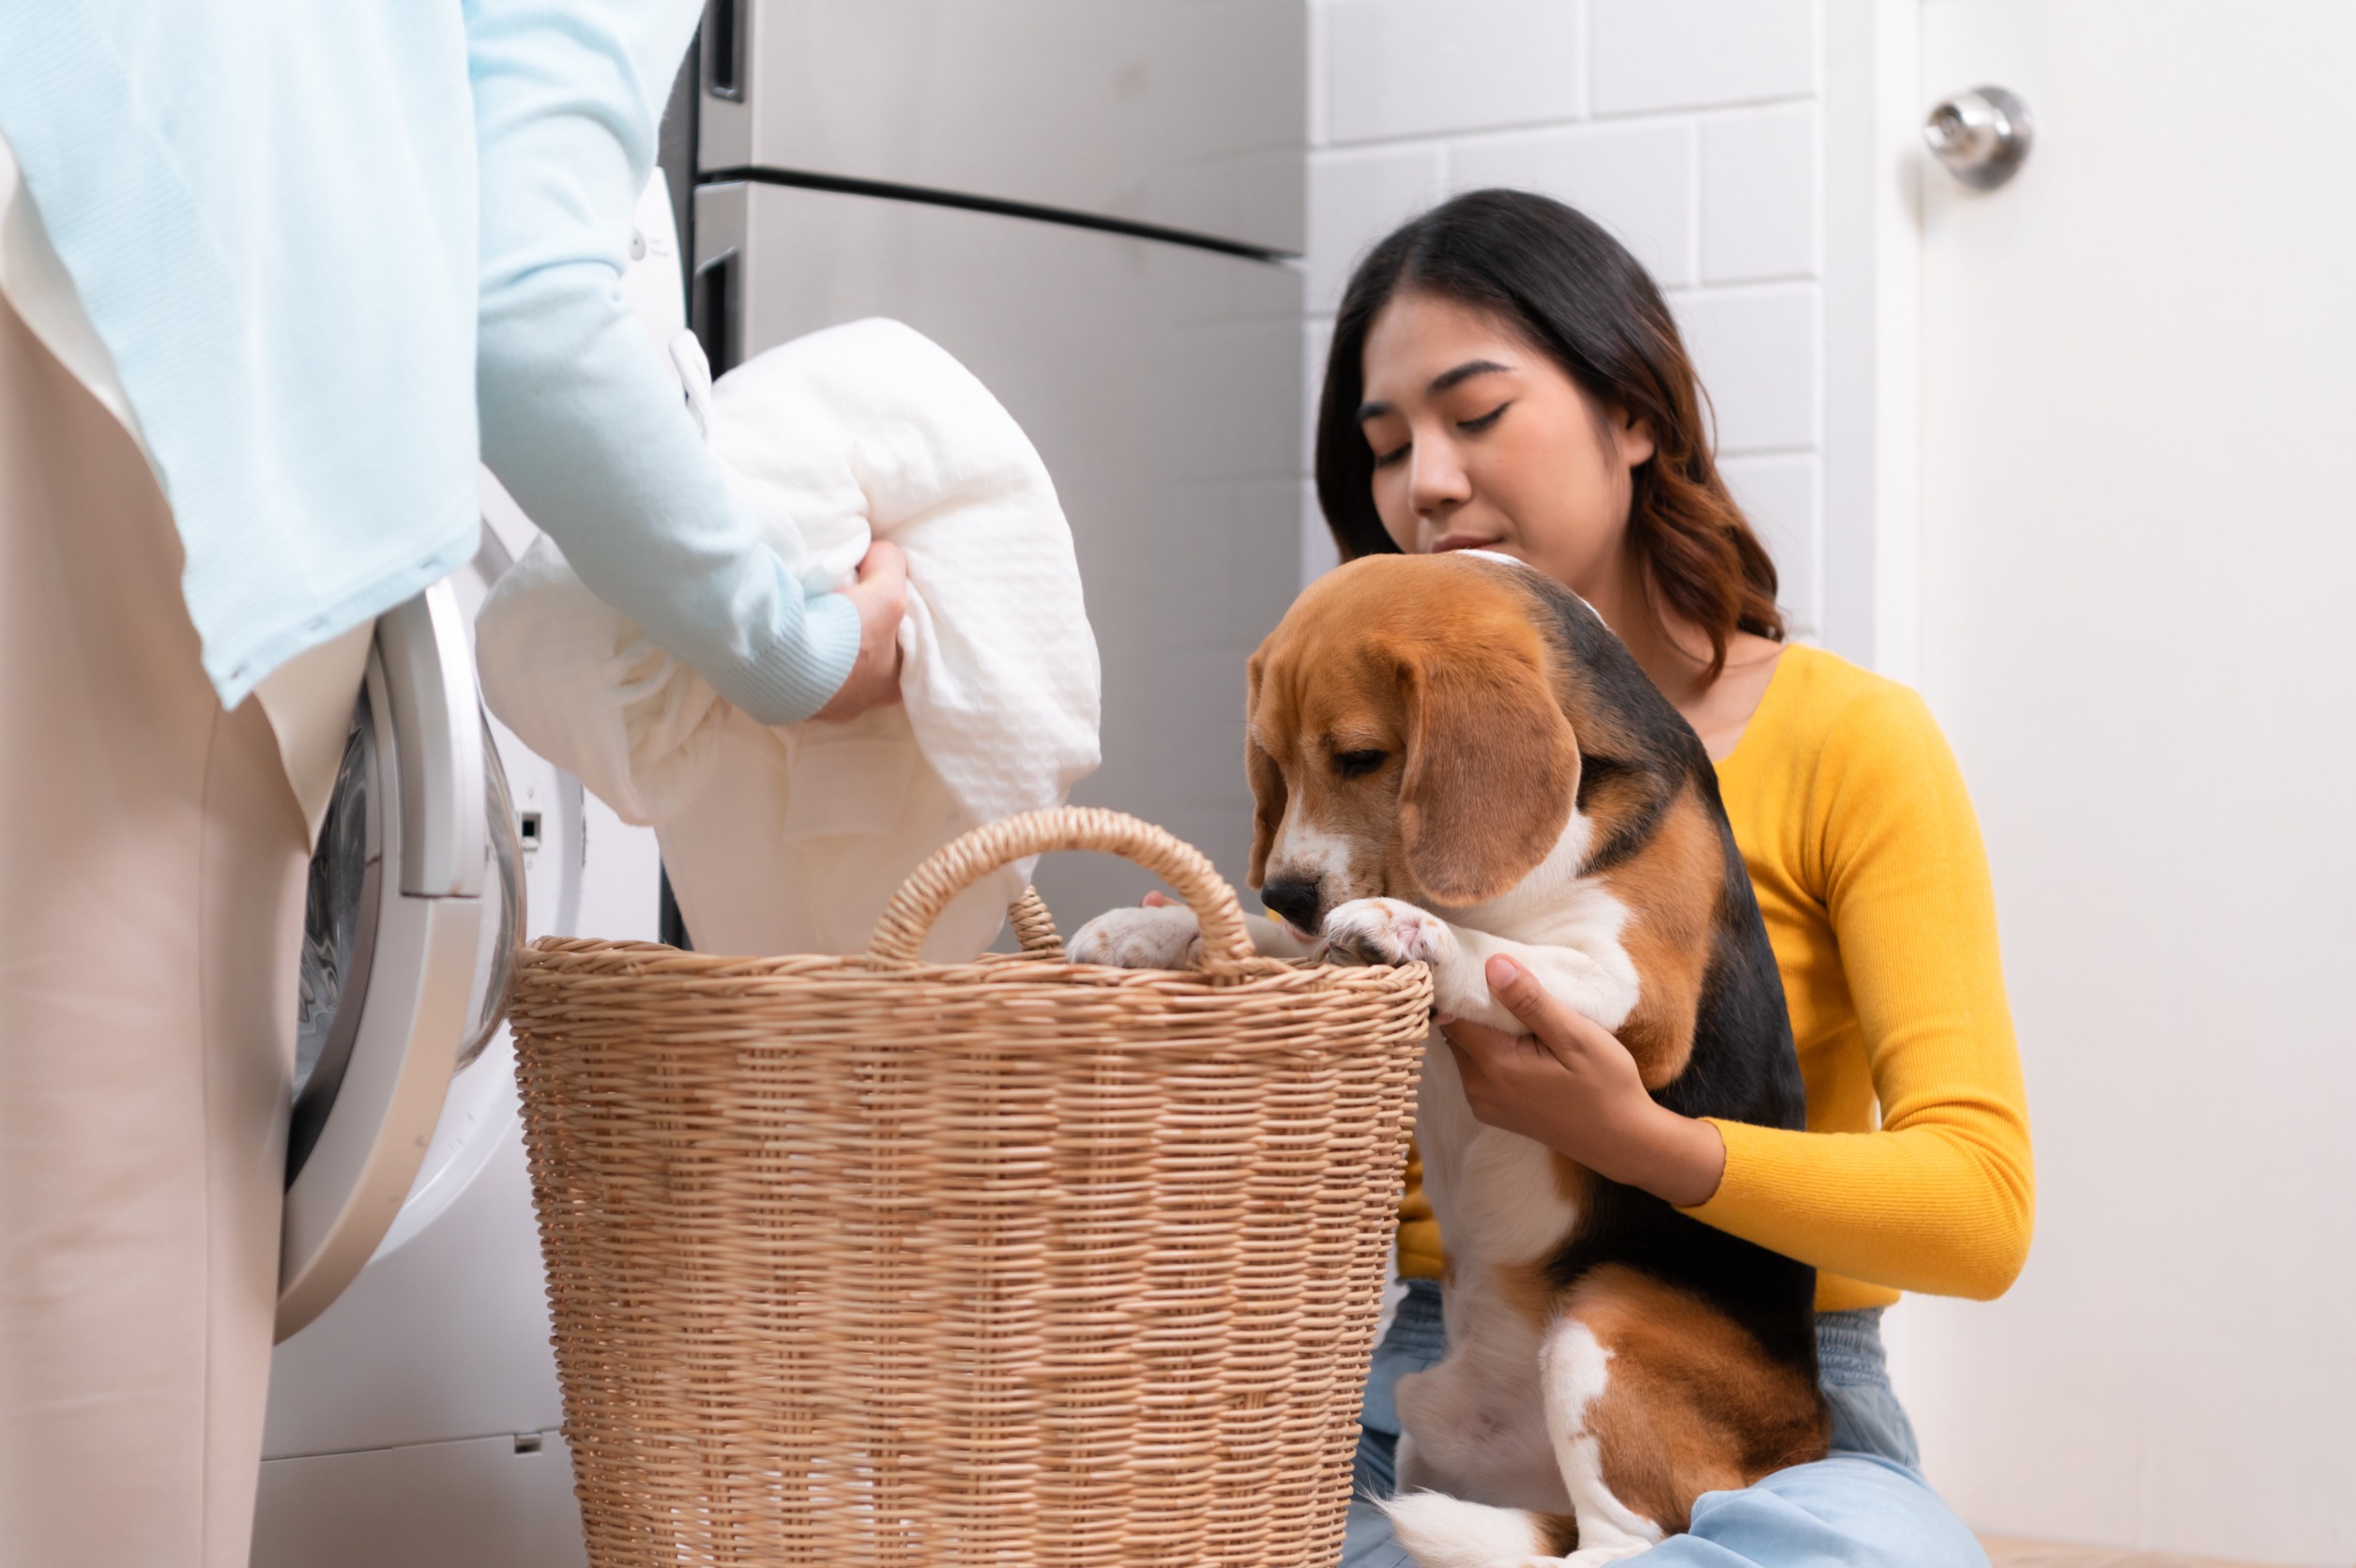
{"x":2138,"y":547}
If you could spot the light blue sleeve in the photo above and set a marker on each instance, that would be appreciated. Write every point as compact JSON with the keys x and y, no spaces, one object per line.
{"x":579,"y":420}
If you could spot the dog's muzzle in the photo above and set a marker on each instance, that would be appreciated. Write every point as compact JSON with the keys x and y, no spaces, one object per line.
{"x":1296,"y":899}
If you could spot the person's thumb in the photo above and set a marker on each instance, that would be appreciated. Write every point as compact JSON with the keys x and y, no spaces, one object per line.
{"x":1518,"y":989}
{"x":884,"y":567}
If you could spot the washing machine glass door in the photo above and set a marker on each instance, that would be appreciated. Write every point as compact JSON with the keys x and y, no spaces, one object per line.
{"x":415,"y":904}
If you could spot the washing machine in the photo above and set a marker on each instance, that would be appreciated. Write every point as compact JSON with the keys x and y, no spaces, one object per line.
{"x":414,"y":1413}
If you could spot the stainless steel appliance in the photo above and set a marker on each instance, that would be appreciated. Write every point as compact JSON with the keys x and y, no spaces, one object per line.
{"x":1091,"y":203}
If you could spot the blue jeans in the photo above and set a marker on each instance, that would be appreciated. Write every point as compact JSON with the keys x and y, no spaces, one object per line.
{"x":1866,"y":1504}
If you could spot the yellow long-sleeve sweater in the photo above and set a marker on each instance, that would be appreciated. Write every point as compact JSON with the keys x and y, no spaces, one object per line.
{"x":1851,"y":815}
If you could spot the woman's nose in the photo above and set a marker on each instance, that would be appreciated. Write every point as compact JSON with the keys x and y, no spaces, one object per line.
{"x":1439,"y":484}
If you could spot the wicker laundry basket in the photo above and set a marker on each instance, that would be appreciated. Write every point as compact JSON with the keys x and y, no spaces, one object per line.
{"x":869,"y":1260}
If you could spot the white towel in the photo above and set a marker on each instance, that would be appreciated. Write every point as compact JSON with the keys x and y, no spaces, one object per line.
{"x":792,"y":839}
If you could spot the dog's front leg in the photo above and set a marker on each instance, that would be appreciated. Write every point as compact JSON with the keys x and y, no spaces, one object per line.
{"x":1169,"y":937}
{"x":1392,"y":931}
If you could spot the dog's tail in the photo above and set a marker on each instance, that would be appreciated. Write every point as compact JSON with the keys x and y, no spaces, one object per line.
{"x":1447,"y":1532}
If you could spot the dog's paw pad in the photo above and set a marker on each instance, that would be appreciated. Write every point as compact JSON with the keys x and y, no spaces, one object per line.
{"x":1387,"y":931}
{"x":1156,"y":938}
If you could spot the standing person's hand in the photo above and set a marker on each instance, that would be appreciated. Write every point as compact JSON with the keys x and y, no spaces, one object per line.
{"x":1571,"y":1086}
{"x":881,"y":595}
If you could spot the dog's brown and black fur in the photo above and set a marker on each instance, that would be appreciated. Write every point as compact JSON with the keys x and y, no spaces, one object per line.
{"x":1453,"y":757}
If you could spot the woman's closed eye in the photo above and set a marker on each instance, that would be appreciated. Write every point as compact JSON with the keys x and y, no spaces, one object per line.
{"x":1476,"y":426}
{"x":1384,"y":460}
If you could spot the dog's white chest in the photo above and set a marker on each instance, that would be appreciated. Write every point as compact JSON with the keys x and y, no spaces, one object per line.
{"x":1495,"y":1194}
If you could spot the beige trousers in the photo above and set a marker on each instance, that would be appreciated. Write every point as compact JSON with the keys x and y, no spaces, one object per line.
{"x":151,"y":897}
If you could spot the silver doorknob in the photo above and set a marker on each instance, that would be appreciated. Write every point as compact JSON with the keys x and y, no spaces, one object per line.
{"x":1981,"y":136}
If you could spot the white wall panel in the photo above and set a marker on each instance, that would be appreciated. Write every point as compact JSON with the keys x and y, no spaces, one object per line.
{"x":1782,"y":497}
{"x":1757,"y":350}
{"x":1412,"y":68}
{"x":1653,"y":55}
{"x":1759,"y":215}
{"x":1636,"y":180}
{"x":1355,"y":198}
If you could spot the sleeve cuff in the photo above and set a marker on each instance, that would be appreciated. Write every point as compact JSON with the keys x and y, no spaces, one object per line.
{"x":1740,"y":1188}
{"x":809,"y":669}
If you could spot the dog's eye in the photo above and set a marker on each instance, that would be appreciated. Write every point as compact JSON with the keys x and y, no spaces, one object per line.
{"x":1352,"y":764}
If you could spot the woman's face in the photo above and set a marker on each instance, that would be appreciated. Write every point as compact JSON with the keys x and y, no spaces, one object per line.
{"x":1481,"y":441}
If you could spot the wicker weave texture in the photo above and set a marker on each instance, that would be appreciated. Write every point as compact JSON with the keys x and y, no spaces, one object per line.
{"x":866,"y":1261}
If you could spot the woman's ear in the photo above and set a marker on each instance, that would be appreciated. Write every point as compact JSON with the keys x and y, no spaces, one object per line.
{"x":1491,"y":774}
{"x":1632,"y":437}
{"x":1268,"y":781}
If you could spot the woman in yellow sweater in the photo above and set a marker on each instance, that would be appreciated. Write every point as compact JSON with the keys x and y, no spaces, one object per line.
{"x":1504,"y":375}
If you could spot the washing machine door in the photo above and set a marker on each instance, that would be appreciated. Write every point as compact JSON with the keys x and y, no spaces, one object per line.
{"x":416,"y":904}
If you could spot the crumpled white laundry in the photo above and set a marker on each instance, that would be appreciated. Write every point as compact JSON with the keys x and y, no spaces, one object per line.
{"x":792,"y":839}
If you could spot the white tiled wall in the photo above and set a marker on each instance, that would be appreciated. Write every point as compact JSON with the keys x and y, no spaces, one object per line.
{"x":1689,"y":128}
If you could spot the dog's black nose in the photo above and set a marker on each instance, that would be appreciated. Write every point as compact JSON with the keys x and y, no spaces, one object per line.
{"x":1296,"y":899}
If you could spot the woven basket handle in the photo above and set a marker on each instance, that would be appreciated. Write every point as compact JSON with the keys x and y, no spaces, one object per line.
{"x":961,"y":862}
{"x":1034,"y":924}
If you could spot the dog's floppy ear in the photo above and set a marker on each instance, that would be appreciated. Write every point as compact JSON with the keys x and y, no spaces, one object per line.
{"x":1267,"y":781}
{"x":1492,"y":770}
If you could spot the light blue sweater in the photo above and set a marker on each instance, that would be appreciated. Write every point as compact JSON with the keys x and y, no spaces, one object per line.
{"x":319,"y":238}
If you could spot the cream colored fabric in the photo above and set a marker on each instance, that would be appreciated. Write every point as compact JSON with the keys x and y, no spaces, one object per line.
{"x":309,"y":702}
{"x":309,"y":698}
{"x":33,"y":280}
{"x":151,"y":883}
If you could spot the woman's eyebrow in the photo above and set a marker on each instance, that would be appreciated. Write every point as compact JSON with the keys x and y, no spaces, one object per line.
{"x":1462,"y":373}
{"x":1440,"y":383}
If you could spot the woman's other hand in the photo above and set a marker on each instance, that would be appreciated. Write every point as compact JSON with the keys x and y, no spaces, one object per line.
{"x":881,"y":595}
{"x":1573,"y":1087}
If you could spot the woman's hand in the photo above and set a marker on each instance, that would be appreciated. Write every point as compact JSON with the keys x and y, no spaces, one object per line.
{"x":881,"y":596}
{"x":1571,"y":1086}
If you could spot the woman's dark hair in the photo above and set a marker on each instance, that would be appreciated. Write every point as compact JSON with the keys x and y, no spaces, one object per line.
{"x":1576,"y":292}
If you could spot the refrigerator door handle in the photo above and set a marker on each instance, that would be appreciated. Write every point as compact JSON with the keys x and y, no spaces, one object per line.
{"x":724,"y":48}
{"x":716,"y":311}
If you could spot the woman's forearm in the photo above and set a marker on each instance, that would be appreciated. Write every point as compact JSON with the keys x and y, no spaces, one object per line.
{"x":1679,"y":1159}
{"x":582,"y":425}
{"x":579,"y":417}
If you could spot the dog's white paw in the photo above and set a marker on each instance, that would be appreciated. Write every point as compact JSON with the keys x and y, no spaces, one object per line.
{"x":1389,"y":930}
{"x":1147,"y":938}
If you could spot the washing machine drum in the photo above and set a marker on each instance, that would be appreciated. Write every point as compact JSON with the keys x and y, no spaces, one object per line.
{"x":414,"y":909}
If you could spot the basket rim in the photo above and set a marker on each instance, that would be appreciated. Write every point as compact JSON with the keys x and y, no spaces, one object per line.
{"x":551,"y":958}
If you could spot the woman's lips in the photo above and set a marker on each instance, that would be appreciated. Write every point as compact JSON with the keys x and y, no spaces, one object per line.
{"x":1462,"y":542}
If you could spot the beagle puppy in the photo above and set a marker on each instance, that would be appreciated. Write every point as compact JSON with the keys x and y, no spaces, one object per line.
{"x":1453,"y":757}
